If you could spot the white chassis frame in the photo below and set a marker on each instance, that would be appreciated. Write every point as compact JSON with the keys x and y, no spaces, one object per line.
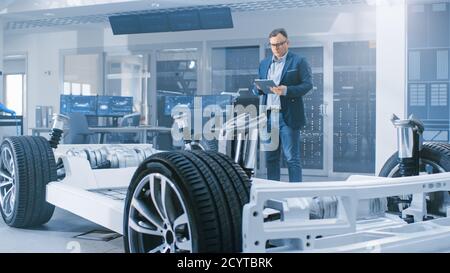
{"x":296,"y":232}
{"x":75,"y":192}
{"x":346,"y":233}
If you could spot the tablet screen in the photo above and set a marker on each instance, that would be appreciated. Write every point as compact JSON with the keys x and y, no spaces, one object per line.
{"x":265,"y":85}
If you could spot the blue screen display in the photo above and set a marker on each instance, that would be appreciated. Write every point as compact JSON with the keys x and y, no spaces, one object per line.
{"x":221,"y":100}
{"x":114,"y":105}
{"x":184,"y":20}
{"x":96,"y":105}
{"x":125,"y":24}
{"x":103,"y":106}
{"x":154,"y":22}
{"x":180,"y":20}
{"x":78,"y":104}
{"x":216,"y":18}
{"x":172,"y":101}
{"x":121,"y":105}
{"x":64,"y":104}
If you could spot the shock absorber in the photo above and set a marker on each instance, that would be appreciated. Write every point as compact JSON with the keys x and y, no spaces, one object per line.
{"x":238,"y":139}
{"x":409,"y":142}
{"x":57,"y":129}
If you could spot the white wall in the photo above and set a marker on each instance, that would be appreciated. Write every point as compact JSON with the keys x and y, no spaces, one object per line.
{"x":391,"y":76}
{"x":44,"y":48}
{"x":43,"y":67}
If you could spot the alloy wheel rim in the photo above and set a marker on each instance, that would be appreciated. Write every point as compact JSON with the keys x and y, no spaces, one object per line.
{"x":158,"y":221}
{"x":7,"y":182}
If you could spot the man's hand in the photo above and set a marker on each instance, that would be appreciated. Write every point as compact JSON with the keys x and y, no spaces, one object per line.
{"x":258,"y":90}
{"x":279,"y":90}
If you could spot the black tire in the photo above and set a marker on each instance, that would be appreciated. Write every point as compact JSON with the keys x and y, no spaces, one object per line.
{"x":435,"y":154}
{"x":35,"y":166}
{"x":214,"y":190}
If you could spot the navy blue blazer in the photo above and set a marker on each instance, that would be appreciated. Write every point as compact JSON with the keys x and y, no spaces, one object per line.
{"x":297,"y":76}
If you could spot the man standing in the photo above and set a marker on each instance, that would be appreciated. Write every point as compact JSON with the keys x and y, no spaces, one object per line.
{"x":292,"y":75}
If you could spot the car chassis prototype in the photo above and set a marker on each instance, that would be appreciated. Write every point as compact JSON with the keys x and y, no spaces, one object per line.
{"x":206,"y":201}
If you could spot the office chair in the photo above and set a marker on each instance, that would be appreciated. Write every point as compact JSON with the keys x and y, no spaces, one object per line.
{"x":78,"y":130}
{"x":132,"y":119}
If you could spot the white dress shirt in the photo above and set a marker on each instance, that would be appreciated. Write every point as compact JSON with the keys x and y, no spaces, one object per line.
{"x":275,"y":71}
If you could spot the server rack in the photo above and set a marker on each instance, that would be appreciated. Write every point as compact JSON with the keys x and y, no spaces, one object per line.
{"x":354,"y":102}
{"x":428,"y":67}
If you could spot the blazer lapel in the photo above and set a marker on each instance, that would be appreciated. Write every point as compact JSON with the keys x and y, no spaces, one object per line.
{"x":286,"y":65}
{"x":267,"y":67}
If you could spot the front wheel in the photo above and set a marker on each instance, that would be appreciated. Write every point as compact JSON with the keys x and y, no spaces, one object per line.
{"x":27,"y":164}
{"x":186,"y":202}
{"x":434,"y":158}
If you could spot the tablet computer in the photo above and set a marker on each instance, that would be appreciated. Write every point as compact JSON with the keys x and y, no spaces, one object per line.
{"x":265,"y":85}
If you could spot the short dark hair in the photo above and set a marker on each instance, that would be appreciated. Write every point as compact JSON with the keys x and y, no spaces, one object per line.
{"x":277,"y":31}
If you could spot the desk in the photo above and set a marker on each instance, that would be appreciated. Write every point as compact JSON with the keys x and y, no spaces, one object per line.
{"x":143,"y":130}
{"x":157,"y":130}
{"x":12,"y":121}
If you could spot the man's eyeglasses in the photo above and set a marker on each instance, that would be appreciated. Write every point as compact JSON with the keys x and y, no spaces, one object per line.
{"x":277,"y":44}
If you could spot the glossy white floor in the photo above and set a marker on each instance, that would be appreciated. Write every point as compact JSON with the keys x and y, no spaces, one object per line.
{"x":57,"y":236}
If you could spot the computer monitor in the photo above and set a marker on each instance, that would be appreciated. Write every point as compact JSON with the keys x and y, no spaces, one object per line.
{"x":220,"y":100}
{"x":172,"y":101}
{"x":121,"y":105}
{"x":224,"y":100}
{"x":114,"y":106}
{"x":208,"y":100}
{"x":64,"y":104}
{"x":103,"y":106}
{"x":86,"y":105}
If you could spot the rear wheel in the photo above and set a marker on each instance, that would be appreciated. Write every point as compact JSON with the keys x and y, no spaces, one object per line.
{"x":27,"y":164}
{"x":434,"y":158}
{"x":186,"y":202}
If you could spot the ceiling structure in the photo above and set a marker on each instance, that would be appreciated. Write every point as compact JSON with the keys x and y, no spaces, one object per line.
{"x":17,"y":15}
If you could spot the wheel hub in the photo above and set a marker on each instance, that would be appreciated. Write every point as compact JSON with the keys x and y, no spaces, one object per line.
{"x":169,"y":237}
{"x":160,"y":211}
